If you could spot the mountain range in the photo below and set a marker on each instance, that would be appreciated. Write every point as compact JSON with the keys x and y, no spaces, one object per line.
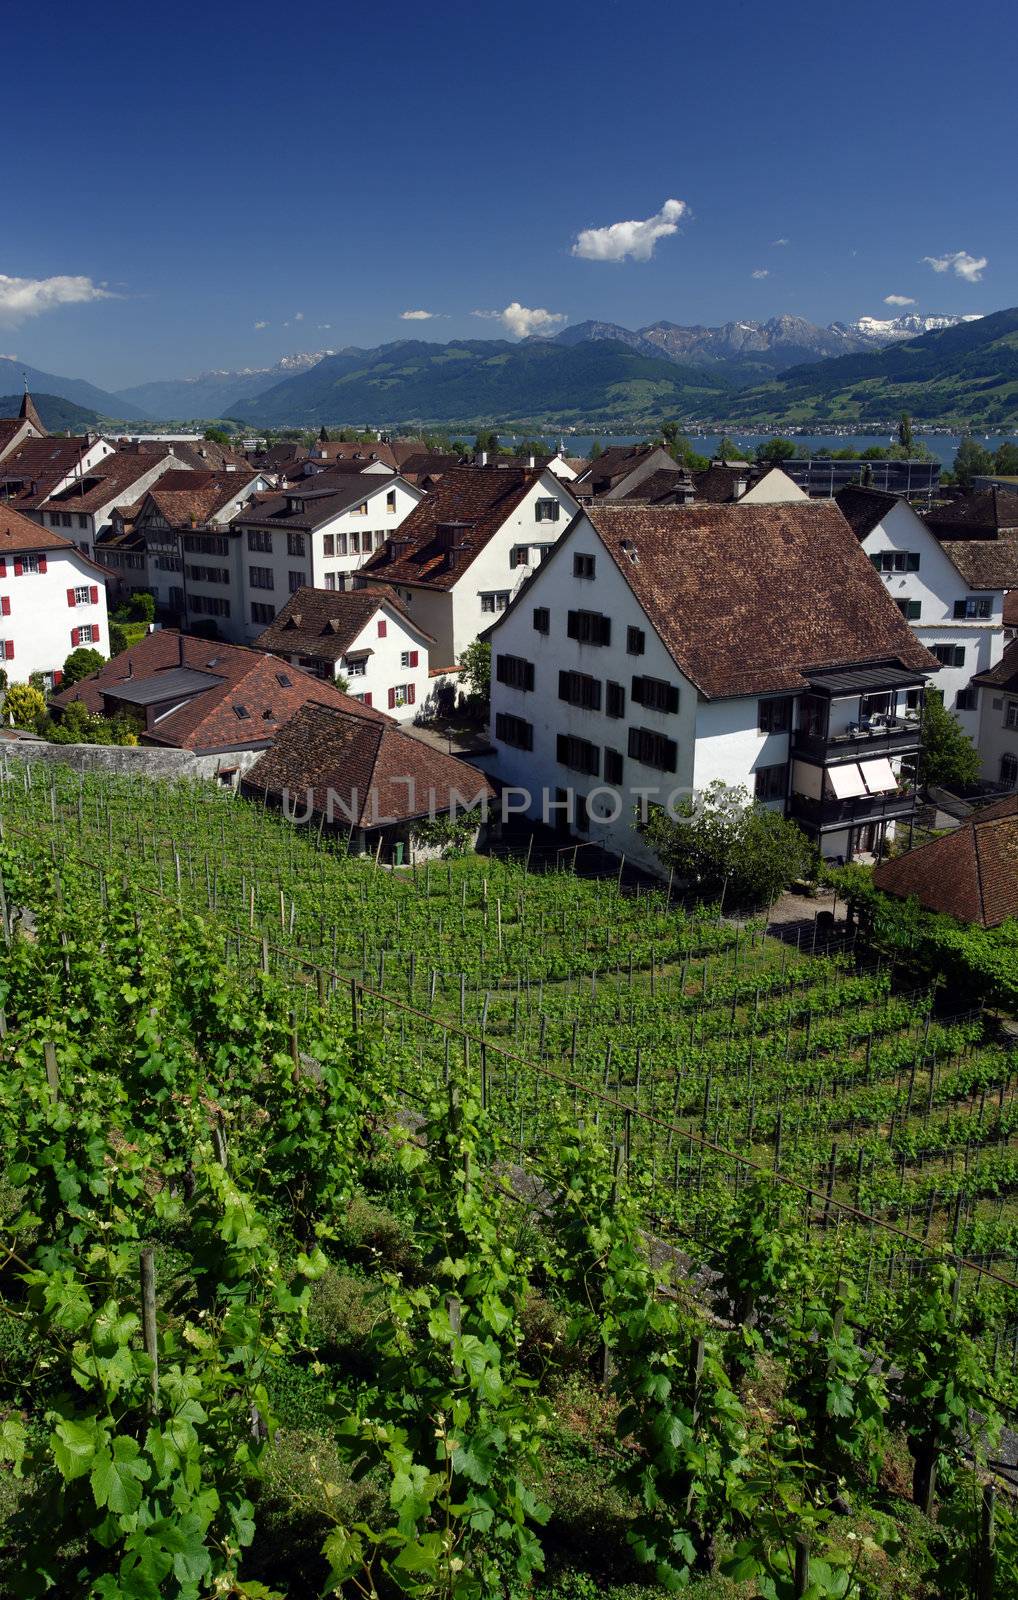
{"x":213,"y":394}
{"x":14,"y":374}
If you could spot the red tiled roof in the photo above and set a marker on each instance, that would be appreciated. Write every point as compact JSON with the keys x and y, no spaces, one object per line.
{"x":984,"y":514}
{"x":747,"y":598}
{"x":107,"y":482}
{"x":183,"y":497}
{"x":324,"y":623}
{"x":209,"y":720}
{"x":375,"y":774}
{"x":1005,"y":674}
{"x":21,"y":533}
{"x":970,"y":874}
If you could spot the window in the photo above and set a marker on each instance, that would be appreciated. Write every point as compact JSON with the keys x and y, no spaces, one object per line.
{"x":330,"y":580}
{"x":209,"y":605}
{"x":653,"y":749}
{"x":259,"y":540}
{"x":494,"y":601}
{"x":82,"y":521}
{"x":577,"y":689}
{"x":297,"y":581}
{"x":1011,"y":714}
{"x":896,"y":560}
{"x":519,"y":555}
{"x":911,"y":610}
{"x":542,"y":619}
{"x":636,"y":641}
{"x":65,"y":519}
{"x":341,"y":544}
{"x":514,"y":731}
{"x":82,"y":597}
{"x":209,"y":574}
{"x":546,"y":511}
{"x":383,"y":628}
{"x":589,"y":627}
{"x":328,"y":544}
{"x":363,"y":699}
{"x":614,"y":700}
{"x":612,"y":766}
{"x":355,"y":543}
{"x":775,"y":716}
{"x":6,"y":649}
{"x":262,"y":613}
{"x":29,"y":564}
{"x":655,"y":694}
{"x":87,"y":633}
{"x":578,"y":754}
{"x":515,"y":672}
{"x":261,"y":578}
{"x":295,"y":544}
{"x":206,"y":544}
{"x":769,"y":782}
{"x":361,"y":510}
{"x":390,"y":499}
{"x":401,"y":694}
{"x":950,"y":655}
{"x":583,"y":565}
{"x":966,"y":699}
{"x":977,"y":608}
{"x":355,"y":666}
{"x":409,"y":658}
{"x":1008,"y":769}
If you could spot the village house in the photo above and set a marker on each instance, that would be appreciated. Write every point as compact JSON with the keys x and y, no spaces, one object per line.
{"x":361,"y":635}
{"x":948,"y":592}
{"x":83,"y":508}
{"x":618,"y":471}
{"x":223,"y":702}
{"x":467,"y":548}
{"x":39,"y":468}
{"x":722,"y":483}
{"x":998,"y":719}
{"x":52,"y":599}
{"x":970,"y":874}
{"x":368,"y":782}
{"x":658,"y":650}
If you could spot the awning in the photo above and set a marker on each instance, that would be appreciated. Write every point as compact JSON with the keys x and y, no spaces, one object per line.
{"x":846,"y":781}
{"x":877,"y":775}
{"x":807,"y":779}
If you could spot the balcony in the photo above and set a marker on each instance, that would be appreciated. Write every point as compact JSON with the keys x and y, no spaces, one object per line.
{"x":886,"y":737}
{"x":823,"y":814}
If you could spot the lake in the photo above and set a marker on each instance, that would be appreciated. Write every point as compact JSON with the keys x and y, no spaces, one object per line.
{"x":942,"y":445}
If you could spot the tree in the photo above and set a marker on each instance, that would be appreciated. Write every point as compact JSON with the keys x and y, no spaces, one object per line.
{"x":487,"y":441}
{"x":1005,"y":459}
{"x":323,"y":435}
{"x":970,"y":460}
{"x":475,"y":664}
{"x":118,"y":639}
{"x":138,"y":607}
{"x":775,"y":450}
{"x":948,"y":756}
{"x":78,"y":725}
{"x":679,"y":447}
{"x":728,"y":845}
{"x":24,"y":706}
{"x":81,"y":663}
{"x":728,"y":450}
{"x":595,"y":450}
{"x":217,"y":436}
{"x":906,"y":438}
{"x":530,"y":447}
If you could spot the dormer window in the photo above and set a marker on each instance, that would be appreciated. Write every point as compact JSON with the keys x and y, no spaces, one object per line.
{"x":241,"y":712}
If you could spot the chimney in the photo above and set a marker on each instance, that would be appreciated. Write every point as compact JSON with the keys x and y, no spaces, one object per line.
{"x":180,"y":648}
{"x":130,"y":667}
{"x":482,"y":458}
{"x":531,"y":461}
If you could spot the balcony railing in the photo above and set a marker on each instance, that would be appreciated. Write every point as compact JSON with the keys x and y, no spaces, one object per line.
{"x":844,"y":813}
{"x":886,"y":738}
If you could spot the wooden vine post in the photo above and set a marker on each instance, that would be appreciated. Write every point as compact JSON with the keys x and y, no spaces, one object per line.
{"x":148,"y":1321}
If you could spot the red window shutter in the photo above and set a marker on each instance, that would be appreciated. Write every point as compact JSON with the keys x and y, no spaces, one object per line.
{"x":383,"y":628}
{"x":95,"y":633}
{"x":392,"y":699}
{"x":94,"y":594}
{"x":9,"y":650}
{"x":19,"y":567}
{"x":42,"y":563}
{"x":58,"y":678}
{"x":411,"y":694}
{"x":414,"y":658}
{"x":5,"y":606}
{"x":367,"y":699}
{"x":75,"y":638}
{"x":3,"y":566}
{"x":70,"y":597}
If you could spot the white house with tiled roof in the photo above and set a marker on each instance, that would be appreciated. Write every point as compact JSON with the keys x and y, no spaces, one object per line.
{"x":83,"y":509}
{"x":658,"y":650}
{"x":52,"y":599}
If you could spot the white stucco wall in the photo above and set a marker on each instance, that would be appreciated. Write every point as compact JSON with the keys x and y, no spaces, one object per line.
{"x":383,"y":666}
{"x":996,"y":738}
{"x":40,"y":620}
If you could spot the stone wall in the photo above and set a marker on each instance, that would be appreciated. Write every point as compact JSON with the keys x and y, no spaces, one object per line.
{"x":127,"y":760}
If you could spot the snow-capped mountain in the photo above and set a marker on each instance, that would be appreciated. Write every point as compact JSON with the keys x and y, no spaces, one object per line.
{"x":210,"y":392}
{"x":885,"y":329}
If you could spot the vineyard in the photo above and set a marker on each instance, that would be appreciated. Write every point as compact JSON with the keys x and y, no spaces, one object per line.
{"x":476,"y":1231}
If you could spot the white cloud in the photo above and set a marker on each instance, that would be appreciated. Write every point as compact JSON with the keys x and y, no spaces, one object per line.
{"x":260,"y":325}
{"x":324,"y":327}
{"x":416,"y":316}
{"x":298,"y":316}
{"x":523,"y":320}
{"x":959,"y":262}
{"x":779,"y":241}
{"x":898,"y":300}
{"x":28,"y":297}
{"x":761,"y":272}
{"x":9,"y":356}
{"x":636,"y":239}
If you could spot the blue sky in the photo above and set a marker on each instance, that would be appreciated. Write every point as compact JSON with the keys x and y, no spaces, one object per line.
{"x":324,"y":170}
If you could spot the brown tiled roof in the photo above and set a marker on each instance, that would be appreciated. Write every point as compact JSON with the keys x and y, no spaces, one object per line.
{"x":1005,"y":674}
{"x":110,"y":480}
{"x":28,"y":413}
{"x":864,"y":508}
{"x":1011,"y":608}
{"x":971,"y":874}
{"x":974,"y":515}
{"x":748,"y":598}
{"x":209,"y":721}
{"x":660,"y":488}
{"x":323,"y":623}
{"x":985,"y":563}
{"x":426,"y":464}
{"x":183,"y":497}
{"x":716,"y":485}
{"x":335,"y":450}
{"x":21,"y":533}
{"x":366,"y":768}
{"x":32,"y":471}
{"x":10,"y":428}
{"x":615,"y":462}
{"x":324,"y":497}
{"x":480,"y":498}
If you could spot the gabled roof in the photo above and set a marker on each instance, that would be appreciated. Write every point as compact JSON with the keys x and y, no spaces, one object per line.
{"x":11,"y":428}
{"x":109,"y":481}
{"x":20,"y":534}
{"x":864,"y":508}
{"x":324,"y":623}
{"x":374,"y":774}
{"x":475,"y":501}
{"x":249,"y":697}
{"x":28,"y":413}
{"x":186,"y":497}
{"x":203,"y":455}
{"x":1005,"y":674}
{"x":970,"y":874}
{"x":985,"y":563}
{"x":975,"y":516}
{"x":364,"y":454}
{"x":322,"y":497}
{"x":661,"y":488}
{"x":32,"y":470}
{"x":748,"y":599}
{"x":614,"y":464}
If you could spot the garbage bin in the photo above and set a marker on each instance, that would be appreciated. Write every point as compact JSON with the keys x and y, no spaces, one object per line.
{"x":397,"y":854}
